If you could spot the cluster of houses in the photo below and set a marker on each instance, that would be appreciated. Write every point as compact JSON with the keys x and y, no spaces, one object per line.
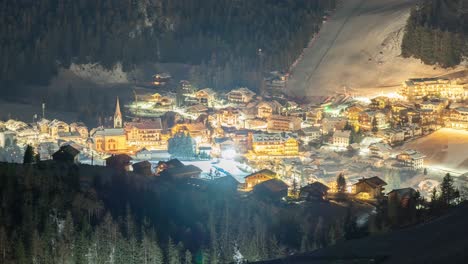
{"x":299,"y":141}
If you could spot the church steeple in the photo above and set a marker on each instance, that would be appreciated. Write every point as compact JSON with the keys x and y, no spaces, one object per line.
{"x":117,"y":115}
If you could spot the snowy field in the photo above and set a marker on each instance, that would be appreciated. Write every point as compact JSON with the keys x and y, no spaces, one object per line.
{"x":445,"y":149}
{"x":359,"y":47}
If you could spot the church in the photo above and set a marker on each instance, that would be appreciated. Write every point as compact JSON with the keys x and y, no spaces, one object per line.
{"x":111,"y":140}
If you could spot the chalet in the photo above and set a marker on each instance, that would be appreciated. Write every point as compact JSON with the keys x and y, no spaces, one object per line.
{"x":257,"y":177}
{"x":457,"y":118}
{"x":316,"y":191}
{"x":56,"y":126}
{"x":341,"y":138}
{"x":380,"y":150}
{"x":314,"y":115}
{"x":80,"y":128}
{"x":279,"y":123}
{"x":369,"y":188}
{"x":330,"y":124}
{"x":181,"y":172}
{"x":143,"y":168}
{"x":403,"y":198}
{"x":267,"y":108}
{"x":366,"y":120}
{"x":205,"y":96}
{"x":119,"y":162}
{"x":393,"y":136}
{"x":197,"y":131}
{"x":197,"y":109}
{"x":228,"y":117}
{"x":272,"y":189}
{"x":240,"y":95}
{"x":66,"y":153}
{"x":352,"y":113}
{"x":312,"y":133}
{"x":411,"y":159}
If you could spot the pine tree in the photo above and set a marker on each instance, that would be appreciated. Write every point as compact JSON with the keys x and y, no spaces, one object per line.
{"x":341,"y":183}
{"x":448,"y":193}
{"x":188,"y":257}
{"x":173,"y":254}
{"x":28,"y":155}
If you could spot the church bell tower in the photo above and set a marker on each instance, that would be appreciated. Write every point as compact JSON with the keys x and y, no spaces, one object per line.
{"x":117,"y":115}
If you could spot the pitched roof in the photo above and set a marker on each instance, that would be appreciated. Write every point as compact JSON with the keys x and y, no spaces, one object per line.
{"x":120,"y":157}
{"x":316,"y":186}
{"x":68,"y":149}
{"x":109,"y":132}
{"x":142,"y":164}
{"x":148,"y":124}
{"x":273,"y":185}
{"x":373,"y":181}
{"x":264,"y":171}
{"x":185,"y":170}
{"x":404,"y":191}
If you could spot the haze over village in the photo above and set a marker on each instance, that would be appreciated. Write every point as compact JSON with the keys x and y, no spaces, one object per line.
{"x":327,"y":128}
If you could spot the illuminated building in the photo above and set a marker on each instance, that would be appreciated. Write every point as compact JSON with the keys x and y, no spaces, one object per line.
{"x":341,"y":138}
{"x":330,"y":124}
{"x":417,"y":89}
{"x":197,"y":131}
{"x":267,"y":108}
{"x":393,"y":136}
{"x":278,"y":123}
{"x":80,"y":128}
{"x":369,"y":188}
{"x":258,"y":177}
{"x":228,"y":117}
{"x":411,"y":159}
{"x":379,"y":102}
{"x":312,"y":133}
{"x":43,"y":126}
{"x":240,"y":95}
{"x":457,"y":118}
{"x":109,"y":139}
{"x":314,"y":115}
{"x":56,"y":126}
{"x":380,"y":150}
{"x":144,"y":133}
{"x":7,"y":139}
{"x":352,"y":113}
{"x":158,"y":99}
{"x":274,"y":145}
{"x":366,"y":119}
{"x":205,"y":96}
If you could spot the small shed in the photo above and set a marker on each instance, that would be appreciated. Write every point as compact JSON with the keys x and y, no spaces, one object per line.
{"x":182,"y":172}
{"x":119,"y":162}
{"x":273,"y":189}
{"x":316,"y":191}
{"x":143,"y":168}
{"x":66,"y":153}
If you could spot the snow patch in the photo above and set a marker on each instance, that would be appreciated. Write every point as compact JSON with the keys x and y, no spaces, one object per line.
{"x":96,"y":73}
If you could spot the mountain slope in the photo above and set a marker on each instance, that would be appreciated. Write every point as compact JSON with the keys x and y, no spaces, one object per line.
{"x":443,"y":240}
{"x":359,"y":48}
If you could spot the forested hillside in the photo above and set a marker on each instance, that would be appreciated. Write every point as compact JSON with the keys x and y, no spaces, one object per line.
{"x":63,"y":213}
{"x":437,"y":32}
{"x":220,"y":36}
